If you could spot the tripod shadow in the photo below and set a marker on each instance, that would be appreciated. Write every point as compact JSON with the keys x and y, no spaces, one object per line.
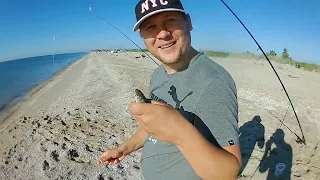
{"x":251,"y":133}
{"x":281,"y":153}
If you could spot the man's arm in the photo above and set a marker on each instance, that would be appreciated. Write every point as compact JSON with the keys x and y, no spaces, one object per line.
{"x":217,"y":108}
{"x":135,"y":142}
{"x":208,"y":161}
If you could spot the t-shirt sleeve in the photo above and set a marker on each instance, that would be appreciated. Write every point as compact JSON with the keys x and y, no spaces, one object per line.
{"x":217,"y":111}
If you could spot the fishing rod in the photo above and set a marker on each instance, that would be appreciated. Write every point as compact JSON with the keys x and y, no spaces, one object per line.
{"x":90,"y":10}
{"x":299,"y":139}
{"x":54,"y":49}
{"x":54,"y":43}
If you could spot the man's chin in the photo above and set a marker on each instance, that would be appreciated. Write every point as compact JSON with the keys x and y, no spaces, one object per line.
{"x":169,"y":61}
{"x":169,"y":58}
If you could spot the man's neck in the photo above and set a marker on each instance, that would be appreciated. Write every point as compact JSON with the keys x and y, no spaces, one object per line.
{"x":173,"y":68}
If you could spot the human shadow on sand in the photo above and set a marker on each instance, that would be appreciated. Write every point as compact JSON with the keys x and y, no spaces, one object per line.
{"x":250,"y":134}
{"x":277,"y":151}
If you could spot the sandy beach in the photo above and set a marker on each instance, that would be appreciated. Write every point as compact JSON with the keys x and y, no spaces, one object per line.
{"x":62,"y":127}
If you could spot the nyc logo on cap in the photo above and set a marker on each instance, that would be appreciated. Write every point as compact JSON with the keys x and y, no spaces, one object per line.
{"x":145,"y":5}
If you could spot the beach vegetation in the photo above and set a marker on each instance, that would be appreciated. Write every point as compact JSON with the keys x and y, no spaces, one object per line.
{"x":284,"y":58}
{"x":137,"y":50}
{"x":216,"y":53}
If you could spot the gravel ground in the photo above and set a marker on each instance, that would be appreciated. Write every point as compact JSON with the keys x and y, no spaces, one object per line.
{"x":62,"y":127}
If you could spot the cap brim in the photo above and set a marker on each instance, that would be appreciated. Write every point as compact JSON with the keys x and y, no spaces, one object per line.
{"x":136,"y":26}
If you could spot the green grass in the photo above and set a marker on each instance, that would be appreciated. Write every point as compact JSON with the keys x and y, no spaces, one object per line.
{"x":137,"y":50}
{"x":309,"y":67}
{"x":303,"y":65}
{"x":216,"y":54}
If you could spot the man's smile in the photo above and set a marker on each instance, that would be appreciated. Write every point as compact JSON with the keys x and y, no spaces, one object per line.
{"x":167,"y":46}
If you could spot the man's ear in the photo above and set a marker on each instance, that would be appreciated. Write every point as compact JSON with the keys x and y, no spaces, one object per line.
{"x":189,"y":23}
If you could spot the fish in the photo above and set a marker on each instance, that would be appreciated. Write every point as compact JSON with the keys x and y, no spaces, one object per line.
{"x":140,"y":97}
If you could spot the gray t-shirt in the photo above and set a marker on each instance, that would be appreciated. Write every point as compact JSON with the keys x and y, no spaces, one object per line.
{"x":206,"y":95}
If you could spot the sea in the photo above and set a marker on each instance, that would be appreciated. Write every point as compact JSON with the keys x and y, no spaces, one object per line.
{"x":18,"y":77}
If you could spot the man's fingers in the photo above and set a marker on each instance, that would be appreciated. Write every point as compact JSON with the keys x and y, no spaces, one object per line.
{"x":105,"y":157}
{"x":122,"y":157}
{"x":158,"y":103}
{"x":100,"y":161}
{"x":113,"y":161}
{"x":139,"y":109}
{"x":109,"y":159}
{"x":106,"y":163}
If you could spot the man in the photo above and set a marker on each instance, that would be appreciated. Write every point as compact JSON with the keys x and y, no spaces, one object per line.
{"x":189,"y":131}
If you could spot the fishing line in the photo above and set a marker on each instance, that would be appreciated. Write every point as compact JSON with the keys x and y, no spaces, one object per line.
{"x":90,"y":10}
{"x":126,"y":52}
{"x":284,"y":118}
{"x":54,"y":49}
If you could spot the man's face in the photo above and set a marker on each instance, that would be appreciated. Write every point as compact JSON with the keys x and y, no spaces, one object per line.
{"x":167,"y":36}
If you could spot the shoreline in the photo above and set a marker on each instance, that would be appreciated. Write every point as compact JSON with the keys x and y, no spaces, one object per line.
{"x":68,"y":121}
{"x":27,"y":95}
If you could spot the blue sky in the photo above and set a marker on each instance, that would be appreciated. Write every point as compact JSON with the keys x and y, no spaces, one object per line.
{"x":28,"y":27}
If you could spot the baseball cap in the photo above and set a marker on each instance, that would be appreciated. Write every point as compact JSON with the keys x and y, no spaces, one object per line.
{"x":147,"y":8}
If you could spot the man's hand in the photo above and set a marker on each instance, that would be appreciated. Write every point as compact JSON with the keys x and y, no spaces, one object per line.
{"x":159,"y":120}
{"x":113,"y":156}
{"x":117,"y":154}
